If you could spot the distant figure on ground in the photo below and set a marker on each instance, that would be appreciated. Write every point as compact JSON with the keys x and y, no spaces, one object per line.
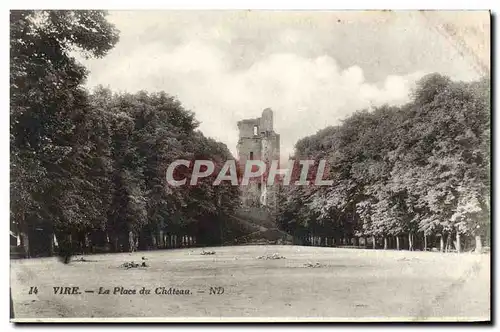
{"x":65,"y":251}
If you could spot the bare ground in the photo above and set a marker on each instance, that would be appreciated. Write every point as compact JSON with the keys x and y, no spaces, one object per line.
{"x":309,"y":283}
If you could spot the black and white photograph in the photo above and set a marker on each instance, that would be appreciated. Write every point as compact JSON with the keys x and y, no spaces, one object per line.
{"x":250,"y":165}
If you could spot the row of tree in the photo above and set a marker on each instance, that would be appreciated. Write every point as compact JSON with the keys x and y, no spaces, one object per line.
{"x":419,"y":172}
{"x":90,"y":167}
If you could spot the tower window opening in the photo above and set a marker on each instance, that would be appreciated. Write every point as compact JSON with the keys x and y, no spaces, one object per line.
{"x":251,"y":155}
{"x":255,"y":130}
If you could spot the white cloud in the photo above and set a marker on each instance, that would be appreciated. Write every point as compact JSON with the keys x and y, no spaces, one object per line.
{"x":313,"y":69}
{"x":306,"y":94}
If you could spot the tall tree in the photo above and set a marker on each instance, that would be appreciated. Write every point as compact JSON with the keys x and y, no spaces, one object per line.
{"x":420,"y":168}
{"x":49,"y":112}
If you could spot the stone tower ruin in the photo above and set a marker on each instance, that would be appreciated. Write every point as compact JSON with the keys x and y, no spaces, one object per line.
{"x":258,"y":141}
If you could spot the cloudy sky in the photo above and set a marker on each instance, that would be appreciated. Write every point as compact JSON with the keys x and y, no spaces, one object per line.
{"x":312,"y":68}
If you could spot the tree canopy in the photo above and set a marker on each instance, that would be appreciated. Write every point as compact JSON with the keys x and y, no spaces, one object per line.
{"x":422,"y":167}
{"x":84,"y":162}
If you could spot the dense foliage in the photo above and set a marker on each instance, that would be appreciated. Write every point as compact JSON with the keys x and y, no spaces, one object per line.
{"x":87,"y":164}
{"x":423,"y":168}
{"x":93,"y":165}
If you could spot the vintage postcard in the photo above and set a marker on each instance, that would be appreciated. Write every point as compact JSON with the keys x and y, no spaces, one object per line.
{"x":250,"y":166}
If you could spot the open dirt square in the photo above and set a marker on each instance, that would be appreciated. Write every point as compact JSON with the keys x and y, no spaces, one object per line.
{"x":257,"y":281}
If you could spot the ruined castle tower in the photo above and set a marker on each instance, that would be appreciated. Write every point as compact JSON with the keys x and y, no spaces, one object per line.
{"x":258,"y":141}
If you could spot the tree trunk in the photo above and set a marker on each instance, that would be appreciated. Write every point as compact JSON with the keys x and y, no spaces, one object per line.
{"x":441,"y":244}
{"x":87,"y":243}
{"x":374,"y":245}
{"x":114,"y":238}
{"x":154,"y":239}
{"x":458,"y":246}
{"x":479,"y":244}
{"x":385,"y":242}
{"x":25,"y":243}
{"x":161,"y":239}
{"x":410,"y":241}
{"x":425,"y":242}
{"x":131,"y":241}
{"x":397,"y":242}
